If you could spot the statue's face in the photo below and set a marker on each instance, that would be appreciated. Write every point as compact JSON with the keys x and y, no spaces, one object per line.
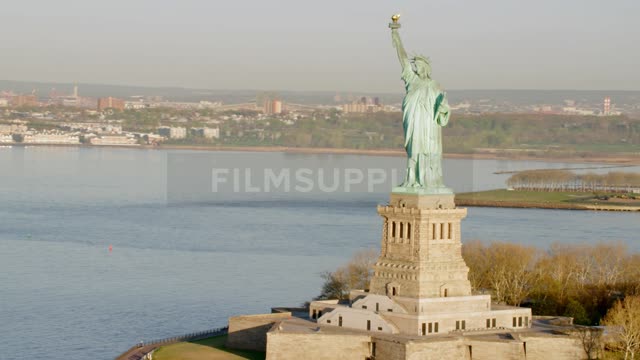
{"x":423,"y":70}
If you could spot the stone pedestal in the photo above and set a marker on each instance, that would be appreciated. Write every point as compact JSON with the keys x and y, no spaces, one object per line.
{"x":421,"y":249}
{"x":420,"y":284}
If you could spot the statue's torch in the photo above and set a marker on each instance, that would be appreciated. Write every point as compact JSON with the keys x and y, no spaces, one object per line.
{"x":394,"y":24}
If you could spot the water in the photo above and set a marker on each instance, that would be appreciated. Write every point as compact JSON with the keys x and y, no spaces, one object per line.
{"x":180,"y":267}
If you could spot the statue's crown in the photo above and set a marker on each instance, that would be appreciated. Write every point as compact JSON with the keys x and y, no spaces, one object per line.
{"x":422,"y":58}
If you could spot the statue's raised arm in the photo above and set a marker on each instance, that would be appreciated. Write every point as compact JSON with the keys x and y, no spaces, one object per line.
{"x":397,"y":42}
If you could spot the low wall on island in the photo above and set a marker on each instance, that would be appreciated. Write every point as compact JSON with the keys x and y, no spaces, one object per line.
{"x":141,"y":350}
{"x":295,"y":346}
{"x":249,"y":332}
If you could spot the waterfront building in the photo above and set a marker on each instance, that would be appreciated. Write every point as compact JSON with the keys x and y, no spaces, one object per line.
{"x":8,"y":129}
{"x":6,"y":139}
{"x":57,"y":139}
{"x":209,"y":133}
{"x":114,"y":140}
{"x":173,"y":132}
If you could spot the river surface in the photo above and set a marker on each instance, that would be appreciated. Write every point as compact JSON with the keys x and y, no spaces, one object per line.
{"x":182,"y":266}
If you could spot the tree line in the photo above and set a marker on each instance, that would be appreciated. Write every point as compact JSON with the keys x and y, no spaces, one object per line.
{"x":564,"y":180}
{"x":582,"y":281}
{"x":595,"y":284}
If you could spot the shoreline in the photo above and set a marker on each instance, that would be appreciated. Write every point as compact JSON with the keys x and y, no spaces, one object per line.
{"x":550,"y":206}
{"x":503,"y":198}
{"x":491,"y":154}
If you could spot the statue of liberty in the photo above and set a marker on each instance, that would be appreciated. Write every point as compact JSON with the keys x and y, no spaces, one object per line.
{"x":424,"y":111}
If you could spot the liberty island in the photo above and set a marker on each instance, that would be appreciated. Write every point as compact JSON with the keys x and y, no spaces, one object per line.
{"x":419,"y":304}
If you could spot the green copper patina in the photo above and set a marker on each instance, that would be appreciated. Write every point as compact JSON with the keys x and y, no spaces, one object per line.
{"x":425,"y":111}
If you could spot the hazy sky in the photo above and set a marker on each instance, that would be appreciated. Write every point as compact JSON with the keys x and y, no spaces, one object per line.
{"x":322,"y":45}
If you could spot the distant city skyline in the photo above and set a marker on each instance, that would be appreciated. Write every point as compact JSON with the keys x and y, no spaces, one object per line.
{"x":323,"y":46}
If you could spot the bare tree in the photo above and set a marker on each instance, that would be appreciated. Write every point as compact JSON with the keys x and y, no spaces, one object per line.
{"x":355,"y":274}
{"x":360,"y":268}
{"x":591,"y":340}
{"x":624,"y":318}
{"x":609,"y":263}
{"x":512,"y":272}
{"x":475,"y":256}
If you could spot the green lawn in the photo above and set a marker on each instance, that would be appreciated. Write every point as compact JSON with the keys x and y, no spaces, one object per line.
{"x":524,"y":196}
{"x":561,"y":199}
{"x":207,"y":349}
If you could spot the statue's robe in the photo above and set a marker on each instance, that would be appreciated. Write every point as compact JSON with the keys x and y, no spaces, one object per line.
{"x":425,"y":110}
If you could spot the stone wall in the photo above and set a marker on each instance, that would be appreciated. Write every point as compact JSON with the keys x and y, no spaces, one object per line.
{"x":317,"y":346}
{"x":249,"y":332}
{"x":451,"y":349}
{"x":387,"y":349}
{"x":495,"y":349}
{"x":284,"y":345}
{"x":556,"y":347}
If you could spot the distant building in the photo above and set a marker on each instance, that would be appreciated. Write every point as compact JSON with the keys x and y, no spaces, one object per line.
{"x":174,"y":105}
{"x":548,"y":109}
{"x":51,"y":139}
{"x":6,"y":139}
{"x":272,"y":106}
{"x":153,"y":139}
{"x":267,"y":107}
{"x":114,"y":140}
{"x":358,"y":107}
{"x":72,"y":100}
{"x":606,"y":106}
{"x":136,"y":105}
{"x":209,"y":104}
{"x":12,"y":129}
{"x":24,"y":100}
{"x":572,"y":110}
{"x":277,"y":107}
{"x":110,"y":103}
{"x":164,"y":131}
{"x":173,"y":132}
{"x":98,"y":128}
{"x":209,"y":133}
{"x":363,"y":105}
{"x":355,"y":107}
